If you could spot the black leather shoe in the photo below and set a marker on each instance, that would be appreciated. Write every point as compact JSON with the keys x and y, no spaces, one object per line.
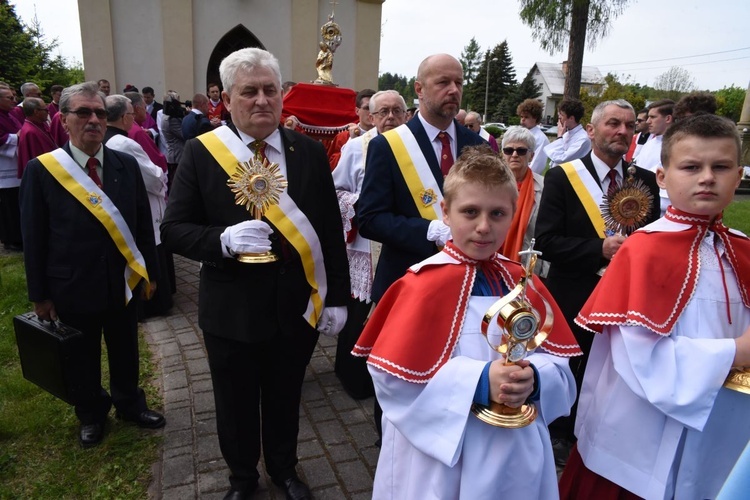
{"x":295,"y":489}
{"x":239,"y":494}
{"x":148,"y":419}
{"x":90,"y":434}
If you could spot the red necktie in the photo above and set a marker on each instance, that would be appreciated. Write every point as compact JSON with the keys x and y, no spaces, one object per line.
{"x":612,"y":183}
{"x":91,"y":164}
{"x":446,"y":156}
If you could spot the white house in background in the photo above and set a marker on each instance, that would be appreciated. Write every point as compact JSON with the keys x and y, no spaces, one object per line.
{"x":552,"y":78}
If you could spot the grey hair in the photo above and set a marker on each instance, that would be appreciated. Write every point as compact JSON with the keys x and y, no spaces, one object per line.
{"x":117,"y":106}
{"x":376,"y":95}
{"x":31,"y":104}
{"x":516,"y":133}
{"x":85,"y":89}
{"x":596,"y":115}
{"x":247,"y":60}
{"x":28,"y":86}
{"x":135,"y":98}
{"x":172,"y":96}
{"x":475,"y":115}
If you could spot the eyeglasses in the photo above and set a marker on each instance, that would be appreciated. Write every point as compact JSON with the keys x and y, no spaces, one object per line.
{"x":84,"y":113}
{"x":383,"y":113}
{"x":520,"y":151}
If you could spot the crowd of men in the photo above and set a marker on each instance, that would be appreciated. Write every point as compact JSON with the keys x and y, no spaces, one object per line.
{"x":83,"y":193}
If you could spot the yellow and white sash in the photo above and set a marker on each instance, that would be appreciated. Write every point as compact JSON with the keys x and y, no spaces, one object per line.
{"x":588,"y":190}
{"x":228,"y":150}
{"x":416,"y":171}
{"x":75,"y":181}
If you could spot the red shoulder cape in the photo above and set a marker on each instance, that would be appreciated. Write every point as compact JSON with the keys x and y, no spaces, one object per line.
{"x":416,"y":325}
{"x":654,"y":274}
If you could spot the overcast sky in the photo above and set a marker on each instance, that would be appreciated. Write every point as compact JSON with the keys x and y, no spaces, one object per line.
{"x":707,"y":38}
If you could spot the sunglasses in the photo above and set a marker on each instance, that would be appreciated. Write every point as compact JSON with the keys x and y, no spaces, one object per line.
{"x":520,"y":151}
{"x":84,"y":113}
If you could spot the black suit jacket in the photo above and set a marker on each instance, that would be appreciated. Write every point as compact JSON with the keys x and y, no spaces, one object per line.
{"x":155,"y":109}
{"x":386,"y":209}
{"x":194,"y":125}
{"x":252,"y":302}
{"x":69,"y":256}
{"x":568,"y":240}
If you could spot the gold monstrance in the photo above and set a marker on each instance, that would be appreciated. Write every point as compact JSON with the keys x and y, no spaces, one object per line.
{"x":257,"y":184}
{"x":522,"y":330}
{"x":628,"y":207}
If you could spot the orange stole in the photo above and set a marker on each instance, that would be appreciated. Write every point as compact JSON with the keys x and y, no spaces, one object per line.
{"x":514,"y":240}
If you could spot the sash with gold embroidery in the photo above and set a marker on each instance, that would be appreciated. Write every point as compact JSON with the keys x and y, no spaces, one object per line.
{"x":228,"y":150}
{"x":416,"y":171}
{"x":75,"y":181}
{"x":588,"y":191}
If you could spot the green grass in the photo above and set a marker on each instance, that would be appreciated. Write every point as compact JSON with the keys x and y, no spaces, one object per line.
{"x":39,"y":452}
{"x":737,"y":216}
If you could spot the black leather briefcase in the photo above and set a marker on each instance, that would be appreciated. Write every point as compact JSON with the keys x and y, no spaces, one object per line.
{"x":50,"y":355}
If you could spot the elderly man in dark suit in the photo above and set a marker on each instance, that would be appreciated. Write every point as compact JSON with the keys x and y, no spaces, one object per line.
{"x":259,"y":319}
{"x":572,"y":239}
{"x":399,"y":205}
{"x":88,"y":249}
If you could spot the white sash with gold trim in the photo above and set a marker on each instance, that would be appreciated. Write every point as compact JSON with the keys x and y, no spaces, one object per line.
{"x":416,"y":171}
{"x":74,"y":180}
{"x":588,"y":190}
{"x":228,"y":149}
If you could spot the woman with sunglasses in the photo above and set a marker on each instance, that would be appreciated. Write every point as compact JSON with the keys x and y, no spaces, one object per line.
{"x":518,"y":150}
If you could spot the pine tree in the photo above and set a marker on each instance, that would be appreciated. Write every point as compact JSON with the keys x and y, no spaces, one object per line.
{"x":27,"y":55}
{"x":18,"y":47}
{"x":502,"y":81}
{"x":470,"y":61}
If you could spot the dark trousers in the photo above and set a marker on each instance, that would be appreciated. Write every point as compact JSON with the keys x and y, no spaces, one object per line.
{"x":10,"y":217}
{"x":120,"y":329}
{"x":257,"y":389}
{"x":351,"y":370}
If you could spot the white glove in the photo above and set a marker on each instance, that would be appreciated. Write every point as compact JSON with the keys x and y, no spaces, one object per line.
{"x":250,"y":236}
{"x":332,"y":320}
{"x":438,"y":232}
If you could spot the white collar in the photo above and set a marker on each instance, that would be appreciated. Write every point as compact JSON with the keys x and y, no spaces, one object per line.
{"x":273,"y":140}
{"x":82,"y":158}
{"x":433,"y":131}
{"x":602,"y":169}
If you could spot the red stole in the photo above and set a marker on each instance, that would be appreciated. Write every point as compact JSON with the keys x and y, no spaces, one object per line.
{"x":525,"y":205}
{"x":654,"y":274}
{"x":416,"y":325}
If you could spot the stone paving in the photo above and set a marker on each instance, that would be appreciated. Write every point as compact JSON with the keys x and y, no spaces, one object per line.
{"x":337,"y":437}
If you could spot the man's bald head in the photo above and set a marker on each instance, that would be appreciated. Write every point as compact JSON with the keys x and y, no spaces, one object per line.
{"x":439,"y":87}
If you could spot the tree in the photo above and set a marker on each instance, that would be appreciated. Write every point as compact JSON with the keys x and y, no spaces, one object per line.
{"x":674,"y":82}
{"x":17,"y":44}
{"x":502,"y":82}
{"x":470,"y":62}
{"x":614,"y":89}
{"x":27,"y":55}
{"x":730,"y":101}
{"x":400,"y":84}
{"x":557,"y":22}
